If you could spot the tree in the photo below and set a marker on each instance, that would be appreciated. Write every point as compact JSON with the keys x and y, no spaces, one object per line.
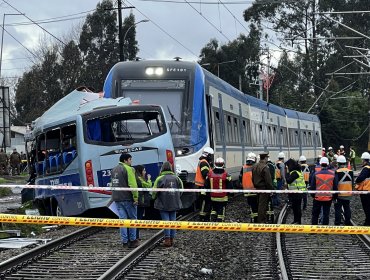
{"x":130,"y":48}
{"x":98,"y":44}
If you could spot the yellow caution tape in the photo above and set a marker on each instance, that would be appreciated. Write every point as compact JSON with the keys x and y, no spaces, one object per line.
{"x":243,"y":227}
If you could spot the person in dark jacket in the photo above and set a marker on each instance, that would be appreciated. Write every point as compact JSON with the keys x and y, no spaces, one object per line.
{"x":295,"y":180}
{"x":363,"y":184}
{"x":123,"y":176}
{"x":261,"y":177}
{"x":144,"y":196}
{"x":167,"y":202}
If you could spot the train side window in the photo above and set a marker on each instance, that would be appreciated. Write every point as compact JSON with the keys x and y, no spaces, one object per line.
{"x":260,"y":135}
{"x":309,"y":139}
{"x":304,"y":140}
{"x":269,"y":135}
{"x":274,"y":136}
{"x":236,"y":131}
{"x":246,"y":132}
{"x":318,"y":139}
{"x":217,"y":126}
{"x":296,"y":138}
{"x":229,"y":130}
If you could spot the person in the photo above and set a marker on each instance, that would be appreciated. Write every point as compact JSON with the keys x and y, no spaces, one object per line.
{"x":203,"y":168}
{"x":167,"y":202}
{"x":245,"y":179}
{"x":15,"y":162}
{"x":363,"y":184}
{"x":306,"y":176}
{"x":144,"y":196}
{"x":323,"y":153}
{"x":279,"y":176}
{"x":352,"y":158}
{"x":296,"y":182}
{"x":341,"y":151}
{"x":3,"y":161}
{"x":261,"y":178}
{"x":123,"y":176}
{"x":334,"y":164}
{"x":218,"y":179}
{"x":324,"y":180}
{"x":330,"y":154}
{"x":344,"y":176}
{"x":270,"y":207}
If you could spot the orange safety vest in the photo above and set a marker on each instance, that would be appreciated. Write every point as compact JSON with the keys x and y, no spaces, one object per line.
{"x":345,"y":183}
{"x":305,"y":172}
{"x":317,"y":168}
{"x":247,"y":182}
{"x":218,"y":182}
{"x":324,"y":182}
{"x":199,"y":180}
{"x":365,"y":184}
{"x":277,"y":170}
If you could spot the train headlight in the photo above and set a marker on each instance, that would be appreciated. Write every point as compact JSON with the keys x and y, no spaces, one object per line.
{"x":184,"y":151}
{"x":149,"y":71}
{"x":158,"y":71}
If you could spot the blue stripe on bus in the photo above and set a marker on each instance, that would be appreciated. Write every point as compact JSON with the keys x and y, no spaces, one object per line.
{"x":198,"y":126}
{"x":68,"y":180}
{"x":107,"y":89}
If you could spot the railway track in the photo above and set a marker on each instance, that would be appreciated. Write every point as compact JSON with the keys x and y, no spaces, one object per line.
{"x":321,"y":256}
{"x":90,"y":253}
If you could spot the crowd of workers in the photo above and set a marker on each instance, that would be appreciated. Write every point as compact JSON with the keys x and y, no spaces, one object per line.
{"x":332,"y":171}
{"x":11,"y":164}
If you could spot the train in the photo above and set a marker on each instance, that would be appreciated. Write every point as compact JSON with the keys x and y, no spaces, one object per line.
{"x":202,"y":111}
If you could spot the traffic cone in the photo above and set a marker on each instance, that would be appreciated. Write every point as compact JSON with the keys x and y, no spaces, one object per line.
{"x":349,"y":166}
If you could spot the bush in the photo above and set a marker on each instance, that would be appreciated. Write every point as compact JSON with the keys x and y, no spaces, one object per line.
{"x":5,"y":192}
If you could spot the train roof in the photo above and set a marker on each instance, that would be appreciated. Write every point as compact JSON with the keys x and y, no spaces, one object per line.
{"x":75,"y":103}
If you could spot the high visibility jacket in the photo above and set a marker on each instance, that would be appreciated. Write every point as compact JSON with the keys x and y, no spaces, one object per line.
{"x":365,"y":184}
{"x":218,"y":182}
{"x":317,"y":168}
{"x":298,"y":184}
{"x":199,"y":179}
{"x":345,"y":181}
{"x":277,"y":170}
{"x":247,"y":182}
{"x":306,"y":172}
{"x":324,"y":182}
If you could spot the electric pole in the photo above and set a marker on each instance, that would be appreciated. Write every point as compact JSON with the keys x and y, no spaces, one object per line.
{"x":120,"y":30}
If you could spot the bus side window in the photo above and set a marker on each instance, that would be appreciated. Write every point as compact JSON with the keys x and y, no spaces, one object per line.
{"x":69,"y":147}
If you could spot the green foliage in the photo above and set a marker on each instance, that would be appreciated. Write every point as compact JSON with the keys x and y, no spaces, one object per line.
{"x":5,"y":191}
{"x":130,"y":47}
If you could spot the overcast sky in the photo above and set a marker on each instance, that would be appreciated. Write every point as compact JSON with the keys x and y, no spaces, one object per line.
{"x":181,"y":20}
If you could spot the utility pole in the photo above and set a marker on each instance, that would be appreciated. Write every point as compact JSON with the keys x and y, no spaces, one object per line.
{"x":268,"y":75}
{"x":120,"y":30}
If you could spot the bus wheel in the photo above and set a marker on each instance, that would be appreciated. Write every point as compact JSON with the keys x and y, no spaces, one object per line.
{"x":57,"y":211}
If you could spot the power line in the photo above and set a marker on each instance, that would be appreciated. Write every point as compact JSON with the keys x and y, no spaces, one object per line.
{"x":197,"y":2}
{"x":52,"y":35}
{"x":43,"y":22}
{"x":164,"y":31}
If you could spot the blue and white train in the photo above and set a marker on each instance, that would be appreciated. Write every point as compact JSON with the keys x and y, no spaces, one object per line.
{"x":203,"y":110}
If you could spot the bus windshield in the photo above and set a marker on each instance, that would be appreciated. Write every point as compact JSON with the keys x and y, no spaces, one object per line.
{"x":170,"y":94}
{"x":112,"y":128}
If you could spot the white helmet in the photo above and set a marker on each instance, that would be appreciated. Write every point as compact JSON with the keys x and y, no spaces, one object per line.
{"x":324,"y":160}
{"x":281,"y":155}
{"x":341,"y":147}
{"x":219,"y":163}
{"x":208,"y":151}
{"x":252,"y":157}
{"x":330,"y":148}
{"x":323,"y":149}
{"x":365,"y":156}
{"x":341,"y":159}
{"x":302,"y":158}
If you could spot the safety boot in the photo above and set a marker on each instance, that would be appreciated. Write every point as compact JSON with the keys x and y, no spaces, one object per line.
{"x":171,"y":241}
{"x":167,"y":242}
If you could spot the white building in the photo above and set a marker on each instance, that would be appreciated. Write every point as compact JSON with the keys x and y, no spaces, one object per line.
{"x":17,"y":139}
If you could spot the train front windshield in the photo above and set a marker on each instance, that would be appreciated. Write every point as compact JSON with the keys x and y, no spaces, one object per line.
{"x":170,"y":94}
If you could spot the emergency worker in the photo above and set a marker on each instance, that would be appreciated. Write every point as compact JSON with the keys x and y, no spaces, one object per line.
{"x":330,"y":154}
{"x":270,"y":208}
{"x":363,"y":184}
{"x":334,"y":164}
{"x":341,"y":151}
{"x":323,"y":153}
{"x":218,"y":179}
{"x":261,"y":178}
{"x":344,"y":177}
{"x":3,"y":161}
{"x":323,"y":180}
{"x":295,"y":181}
{"x":15,"y":162}
{"x":245,"y":179}
{"x":306,"y":176}
{"x":204,"y":166}
{"x":352,"y":157}
{"x":279,"y":176}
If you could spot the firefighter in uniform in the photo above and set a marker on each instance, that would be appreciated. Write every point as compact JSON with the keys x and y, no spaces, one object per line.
{"x":261,"y":178}
{"x":363,"y":184}
{"x":344,"y":177}
{"x":204,"y":166}
{"x":245,"y":179}
{"x":323,"y":180}
{"x":296,"y":182}
{"x":218,"y":179}
{"x":306,"y":176}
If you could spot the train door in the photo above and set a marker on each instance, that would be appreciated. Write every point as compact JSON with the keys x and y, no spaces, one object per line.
{"x":210,"y":120}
